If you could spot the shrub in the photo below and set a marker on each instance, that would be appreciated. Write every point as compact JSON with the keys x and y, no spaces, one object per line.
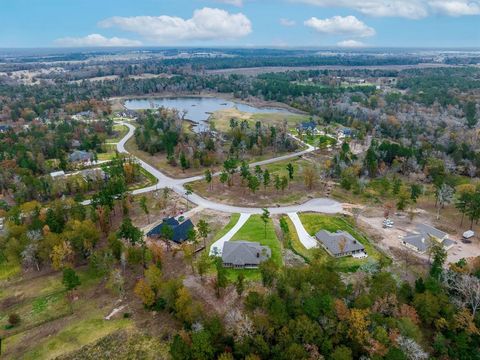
{"x":13,"y":320}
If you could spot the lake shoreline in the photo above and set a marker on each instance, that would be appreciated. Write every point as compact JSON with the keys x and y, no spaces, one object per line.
{"x":118,"y":102}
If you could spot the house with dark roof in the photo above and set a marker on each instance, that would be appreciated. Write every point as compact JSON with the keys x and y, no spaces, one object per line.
{"x":307,"y":126}
{"x":424,"y":236}
{"x":244,"y":254}
{"x":340,"y":244}
{"x":80,"y":156}
{"x":180,"y":230}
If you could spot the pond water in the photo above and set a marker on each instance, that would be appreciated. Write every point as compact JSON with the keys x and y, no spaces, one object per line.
{"x":198,"y":109}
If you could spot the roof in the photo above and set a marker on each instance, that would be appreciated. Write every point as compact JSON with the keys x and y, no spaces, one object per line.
{"x":422,"y":240}
{"x":242,"y":253}
{"x":308,"y":125}
{"x":332,"y":242}
{"x":180,"y":231}
{"x":80,"y":155}
{"x":430,"y":230}
{"x":419,"y":241}
{"x":93,"y":174}
{"x":57,"y":173}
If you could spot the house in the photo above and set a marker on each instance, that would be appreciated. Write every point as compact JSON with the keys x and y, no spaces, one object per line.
{"x":80,"y":156}
{"x":244,"y":254}
{"x":180,"y":230}
{"x":422,"y":238}
{"x":307,"y":126}
{"x":340,"y":244}
{"x":75,"y":144}
{"x":93,"y":175}
{"x":4,"y":128}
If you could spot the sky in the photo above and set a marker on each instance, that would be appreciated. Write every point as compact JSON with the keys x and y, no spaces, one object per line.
{"x":240,"y":23}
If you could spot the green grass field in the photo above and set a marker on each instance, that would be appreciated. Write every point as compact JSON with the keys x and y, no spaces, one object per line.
{"x":49,"y":325}
{"x":316,"y":222}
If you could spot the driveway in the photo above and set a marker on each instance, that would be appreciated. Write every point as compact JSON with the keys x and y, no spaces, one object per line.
{"x":308,"y":241}
{"x":217,"y":246}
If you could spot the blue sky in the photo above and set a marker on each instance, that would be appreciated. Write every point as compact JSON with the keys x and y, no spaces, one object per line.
{"x":319,"y":23}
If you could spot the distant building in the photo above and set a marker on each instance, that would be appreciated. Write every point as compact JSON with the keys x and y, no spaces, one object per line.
{"x":307,"y":126}
{"x":180,"y":230}
{"x":422,"y":239}
{"x":244,"y":254}
{"x":93,"y":174}
{"x":340,"y":244}
{"x":57,"y":174}
{"x":80,"y":156}
{"x":4,"y":128}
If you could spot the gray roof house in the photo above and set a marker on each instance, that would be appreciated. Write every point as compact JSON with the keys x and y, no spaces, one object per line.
{"x":244,"y":254}
{"x":421,"y":240}
{"x":80,"y":156}
{"x":340,"y":244}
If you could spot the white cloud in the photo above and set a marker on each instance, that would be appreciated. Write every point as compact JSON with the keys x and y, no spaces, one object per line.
{"x":95,"y":40}
{"x":351,"y":44}
{"x":238,"y":3}
{"x":287,"y":22}
{"x":411,"y":9}
{"x":205,"y":24}
{"x":339,"y":25}
{"x":455,"y":8}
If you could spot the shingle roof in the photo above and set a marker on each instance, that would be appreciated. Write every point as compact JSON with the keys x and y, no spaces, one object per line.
{"x":180,"y":231}
{"x":418,"y":240}
{"x":80,"y":155}
{"x":430,"y":230}
{"x":242,"y":253}
{"x":308,"y":125}
{"x":332,"y":242}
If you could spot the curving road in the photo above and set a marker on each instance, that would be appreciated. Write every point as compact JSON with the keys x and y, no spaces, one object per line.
{"x":316,"y":205}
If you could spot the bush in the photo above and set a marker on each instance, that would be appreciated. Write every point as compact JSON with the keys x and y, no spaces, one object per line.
{"x":13,"y":320}
{"x":126,"y":315}
{"x":159,"y":304}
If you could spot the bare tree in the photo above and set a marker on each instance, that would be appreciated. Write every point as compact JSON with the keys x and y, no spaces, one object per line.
{"x":467,"y":288}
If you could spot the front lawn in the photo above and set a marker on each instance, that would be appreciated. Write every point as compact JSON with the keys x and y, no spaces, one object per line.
{"x":253,"y":230}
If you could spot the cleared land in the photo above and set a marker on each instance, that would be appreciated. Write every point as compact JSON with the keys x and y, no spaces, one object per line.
{"x":238,"y":194}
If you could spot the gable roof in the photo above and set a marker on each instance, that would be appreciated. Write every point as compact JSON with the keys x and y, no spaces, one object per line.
{"x":180,"y":231}
{"x":308,"y":125}
{"x":332,"y":242}
{"x":242,"y":253}
{"x":430,"y":230}
{"x":418,"y":241}
{"x":80,"y":155}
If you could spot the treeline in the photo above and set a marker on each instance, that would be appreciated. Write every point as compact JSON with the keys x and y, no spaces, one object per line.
{"x":314,"y":313}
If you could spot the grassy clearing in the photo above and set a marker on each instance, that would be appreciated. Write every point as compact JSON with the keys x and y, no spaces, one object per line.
{"x":76,"y":335}
{"x":241,"y":195}
{"x":316,"y":222}
{"x":8,"y":270}
{"x":221,"y":118}
{"x":127,"y":344}
{"x":120,"y":132}
{"x":44,"y":310}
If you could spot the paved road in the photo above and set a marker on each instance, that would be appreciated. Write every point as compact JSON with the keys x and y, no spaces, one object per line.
{"x":316,"y":205}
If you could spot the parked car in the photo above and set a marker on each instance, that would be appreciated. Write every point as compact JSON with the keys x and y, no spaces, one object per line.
{"x":387,"y":223}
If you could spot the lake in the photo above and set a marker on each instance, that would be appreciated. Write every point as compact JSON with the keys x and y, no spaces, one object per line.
{"x":198,"y":108}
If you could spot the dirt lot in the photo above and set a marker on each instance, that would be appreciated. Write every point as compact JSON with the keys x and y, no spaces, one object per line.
{"x":391,"y":238}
